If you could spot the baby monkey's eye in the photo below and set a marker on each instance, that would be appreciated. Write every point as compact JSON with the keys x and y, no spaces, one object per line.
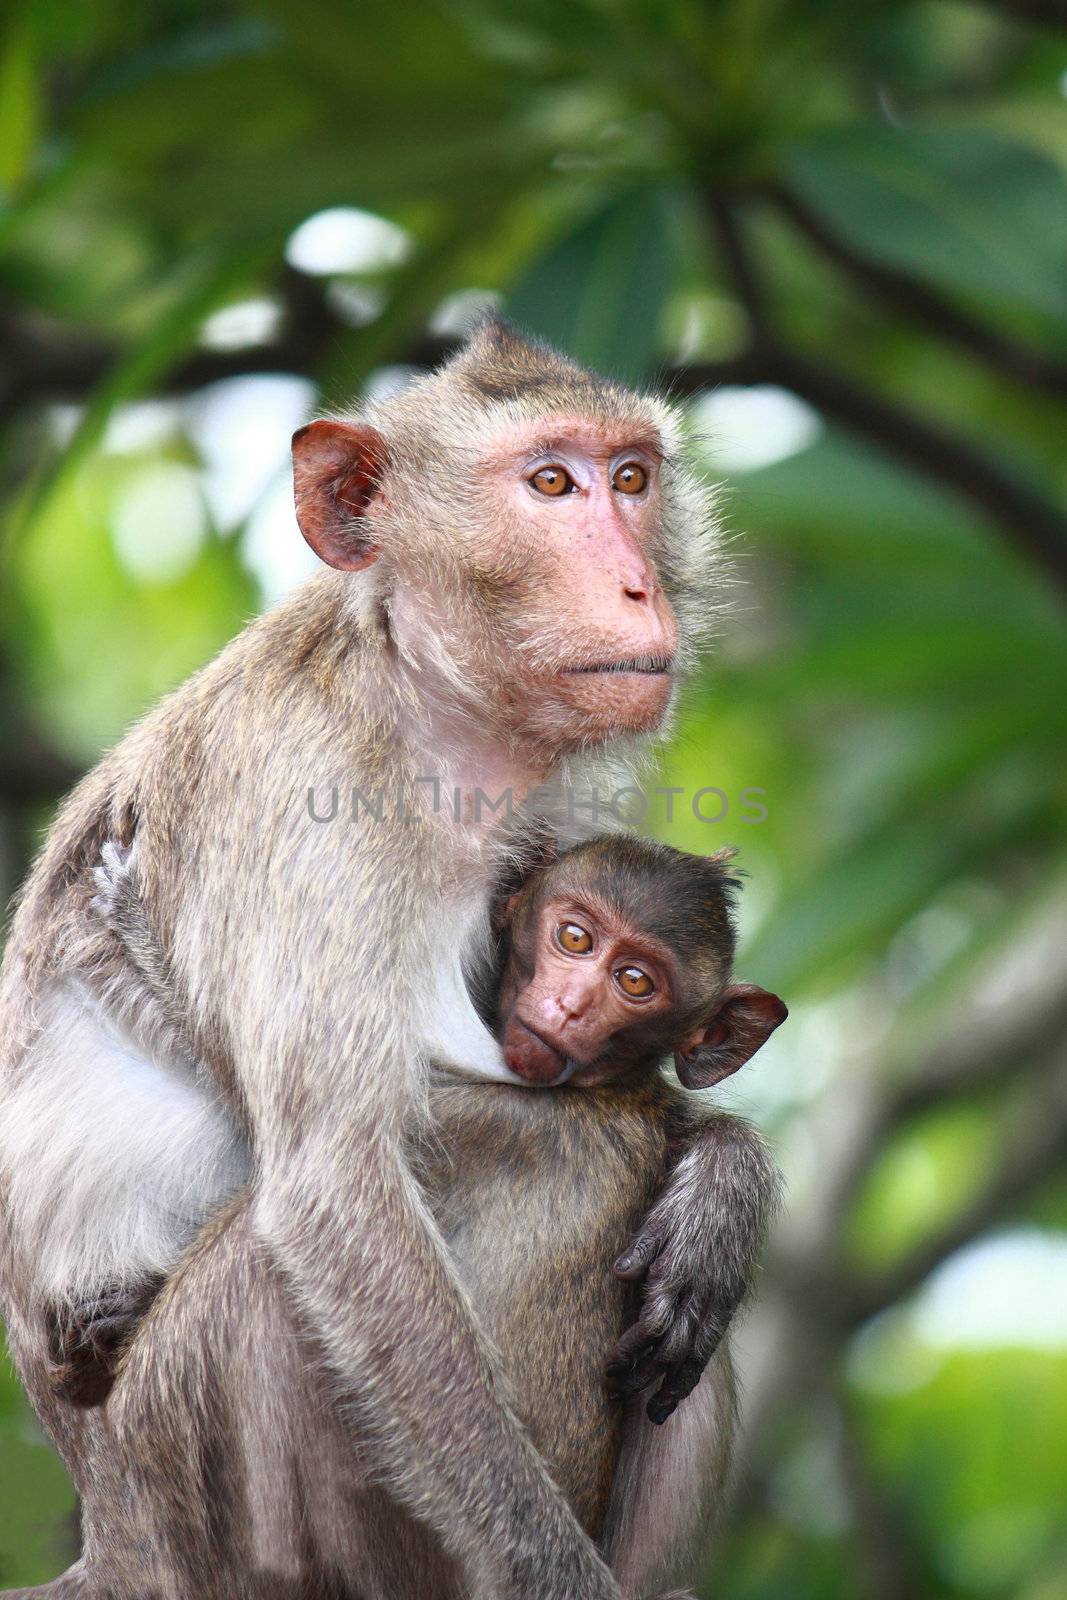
{"x":634,"y":981}
{"x":552,"y":480}
{"x":573,"y":938}
{"x":630,"y":478}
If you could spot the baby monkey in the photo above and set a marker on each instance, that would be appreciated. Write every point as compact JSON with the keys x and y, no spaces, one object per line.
{"x":610,"y":958}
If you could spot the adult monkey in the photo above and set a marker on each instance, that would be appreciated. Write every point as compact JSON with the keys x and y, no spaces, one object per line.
{"x":539,"y":562}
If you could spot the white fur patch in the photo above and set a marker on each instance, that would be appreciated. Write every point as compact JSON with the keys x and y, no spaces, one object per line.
{"x":455,"y":1036}
{"x":111,"y":1161}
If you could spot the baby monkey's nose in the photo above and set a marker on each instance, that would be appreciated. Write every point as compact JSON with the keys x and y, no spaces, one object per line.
{"x":569,"y":1006}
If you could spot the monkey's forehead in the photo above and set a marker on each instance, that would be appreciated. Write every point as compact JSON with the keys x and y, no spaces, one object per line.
{"x":606,"y":405}
{"x":502,"y":378}
{"x":542,"y":434}
{"x":500,"y":429}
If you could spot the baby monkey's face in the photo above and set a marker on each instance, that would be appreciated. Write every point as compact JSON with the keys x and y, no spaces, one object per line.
{"x":585,"y":994}
{"x":590,"y":994}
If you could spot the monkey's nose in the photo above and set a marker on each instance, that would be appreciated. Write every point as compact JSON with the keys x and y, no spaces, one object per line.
{"x":638,"y":580}
{"x":563,"y":1008}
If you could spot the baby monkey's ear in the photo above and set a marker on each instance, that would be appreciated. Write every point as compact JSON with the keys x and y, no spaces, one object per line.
{"x":746,"y":1018}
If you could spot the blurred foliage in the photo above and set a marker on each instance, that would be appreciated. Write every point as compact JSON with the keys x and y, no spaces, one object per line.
{"x":849,"y":217}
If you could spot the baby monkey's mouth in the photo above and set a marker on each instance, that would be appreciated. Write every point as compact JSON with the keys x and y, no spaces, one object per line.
{"x":649,"y":666}
{"x":531,"y":1056}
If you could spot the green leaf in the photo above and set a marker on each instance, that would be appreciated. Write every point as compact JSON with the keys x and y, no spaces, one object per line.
{"x":19,"y":108}
{"x":600,"y":292}
{"x":977,"y":212}
{"x":928,"y":1172}
{"x":141,"y":636}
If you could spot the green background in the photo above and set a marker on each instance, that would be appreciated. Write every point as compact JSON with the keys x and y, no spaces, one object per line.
{"x":837,"y":231}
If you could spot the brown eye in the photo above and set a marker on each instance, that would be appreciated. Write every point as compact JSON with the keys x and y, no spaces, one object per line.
{"x":552,"y":480}
{"x":630,"y":478}
{"x":574,"y":939}
{"x":635,"y":982}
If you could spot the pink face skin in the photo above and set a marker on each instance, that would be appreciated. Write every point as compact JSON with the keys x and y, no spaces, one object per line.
{"x":596,"y":602}
{"x":591,"y":979}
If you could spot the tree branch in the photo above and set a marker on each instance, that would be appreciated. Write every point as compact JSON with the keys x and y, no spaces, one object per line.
{"x":976,"y":1060}
{"x":807,"y":1311}
{"x":42,"y":360}
{"x":1033,"y":523}
{"x":1025,"y":1026}
{"x":883,"y":1551}
{"x":35,"y":777}
{"x":1052,"y":12}
{"x":915,"y":299}
{"x":31,"y":770}
{"x":1033,"y":1154}
{"x":1021,"y":1028}
{"x":748,"y":284}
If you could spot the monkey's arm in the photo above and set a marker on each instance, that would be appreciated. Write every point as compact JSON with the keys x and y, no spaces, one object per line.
{"x":696,"y":1253}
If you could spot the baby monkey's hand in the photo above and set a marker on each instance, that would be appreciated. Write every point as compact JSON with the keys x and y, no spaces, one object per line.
{"x":683,"y":1315}
{"x":695,"y":1254}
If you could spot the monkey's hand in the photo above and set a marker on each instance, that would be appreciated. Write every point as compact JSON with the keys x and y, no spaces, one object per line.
{"x":85,"y":1341}
{"x":695,"y":1254}
{"x":683,"y":1316}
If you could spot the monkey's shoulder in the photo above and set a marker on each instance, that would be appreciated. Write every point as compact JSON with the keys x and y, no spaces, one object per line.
{"x":227,"y":756}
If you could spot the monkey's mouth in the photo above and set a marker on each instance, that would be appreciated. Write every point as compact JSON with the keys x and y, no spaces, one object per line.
{"x":529,"y":1055}
{"x":645,"y":666}
{"x":628,"y":694}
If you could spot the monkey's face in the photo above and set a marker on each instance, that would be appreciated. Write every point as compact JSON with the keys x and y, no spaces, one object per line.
{"x":585,"y":635}
{"x":519,"y":562}
{"x":584,"y":994}
{"x":589,"y":997}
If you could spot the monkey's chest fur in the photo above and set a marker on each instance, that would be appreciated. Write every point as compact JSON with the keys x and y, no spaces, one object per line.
{"x":537,"y":1193}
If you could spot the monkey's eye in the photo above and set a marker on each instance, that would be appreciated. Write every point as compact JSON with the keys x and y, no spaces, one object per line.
{"x":630,"y":478}
{"x":552,"y":480}
{"x":573,"y":938}
{"x":634,"y":982}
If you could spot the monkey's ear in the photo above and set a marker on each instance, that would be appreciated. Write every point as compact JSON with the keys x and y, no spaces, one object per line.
{"x":746,"y":1018}
{"x":337,"y":468}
